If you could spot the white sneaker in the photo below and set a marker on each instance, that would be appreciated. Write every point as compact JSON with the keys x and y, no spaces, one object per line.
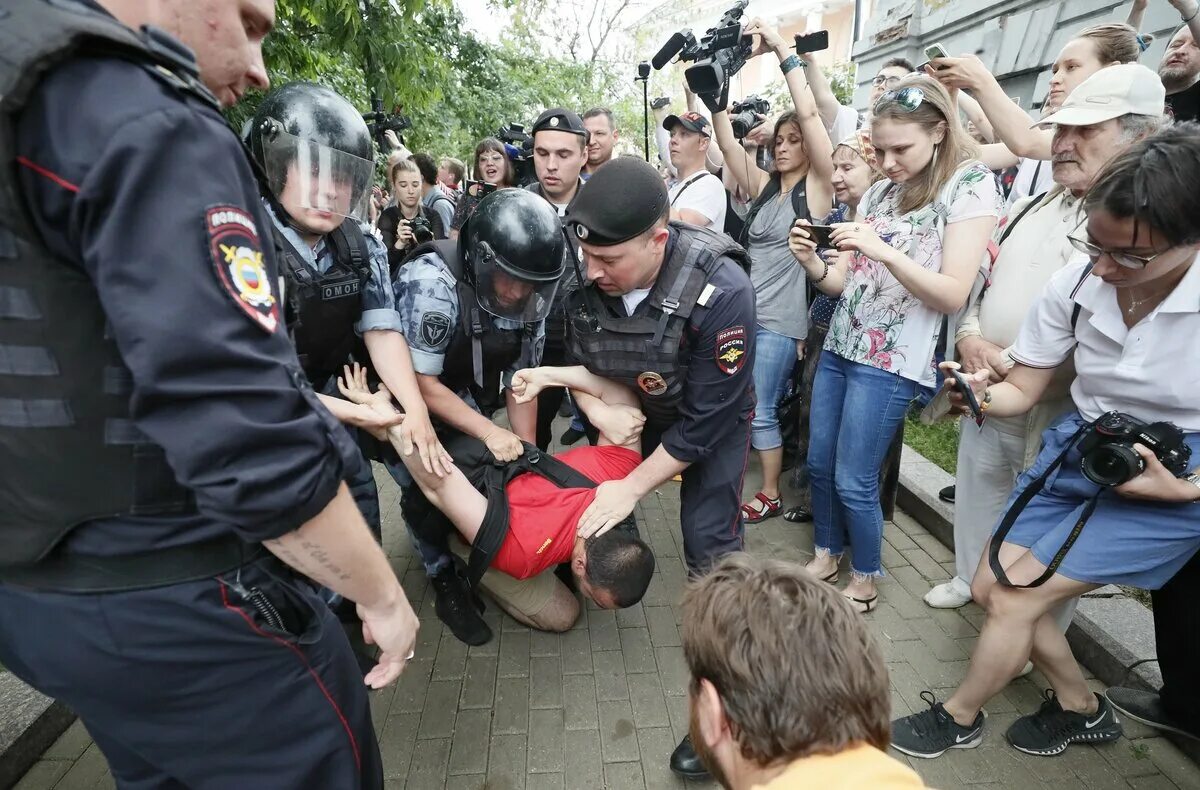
{"x":1028,"y":668}
{"x":950,"y":595}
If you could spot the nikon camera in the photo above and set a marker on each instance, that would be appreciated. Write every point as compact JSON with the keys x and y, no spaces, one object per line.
{"x":744,"y":116}
{"x":1107,"y":448}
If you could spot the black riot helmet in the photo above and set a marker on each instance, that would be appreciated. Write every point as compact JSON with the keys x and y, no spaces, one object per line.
{"x":515,"y":249}
{"x":313,"y":144}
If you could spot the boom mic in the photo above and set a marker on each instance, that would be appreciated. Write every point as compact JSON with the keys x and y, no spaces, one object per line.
{"x":674,"y":44}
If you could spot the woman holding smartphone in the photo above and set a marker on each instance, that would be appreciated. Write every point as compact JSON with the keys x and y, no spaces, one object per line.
{"x":910,"y":261}
{"x":799,"y":186}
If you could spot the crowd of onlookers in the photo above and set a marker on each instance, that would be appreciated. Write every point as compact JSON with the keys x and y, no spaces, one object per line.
{"x":1048,"y":259}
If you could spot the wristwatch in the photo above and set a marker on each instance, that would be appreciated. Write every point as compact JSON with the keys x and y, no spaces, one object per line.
{"x":1194,"y":479}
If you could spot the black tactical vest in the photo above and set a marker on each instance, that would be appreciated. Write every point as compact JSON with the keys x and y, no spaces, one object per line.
{"x":648,"y":350}
{"x":322,"y":308}
{"x":479,"y":351}
{"x":69,"y":451}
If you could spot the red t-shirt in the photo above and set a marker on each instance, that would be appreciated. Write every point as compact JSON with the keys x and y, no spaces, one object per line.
{"x":542,"y":517}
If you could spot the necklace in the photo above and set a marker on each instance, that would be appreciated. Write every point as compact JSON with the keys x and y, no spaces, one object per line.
{"x":1134,"y":304}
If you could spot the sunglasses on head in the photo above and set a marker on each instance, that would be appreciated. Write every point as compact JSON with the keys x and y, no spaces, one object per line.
{"x":909,"y":99}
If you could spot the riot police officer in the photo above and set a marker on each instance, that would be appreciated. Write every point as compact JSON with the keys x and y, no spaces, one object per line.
{"x":163,"y":457}
{"x":315,"y":150}
{"x":474,"y":312}
{"x":667,"y":309}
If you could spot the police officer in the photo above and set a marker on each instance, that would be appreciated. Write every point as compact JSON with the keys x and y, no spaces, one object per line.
{"x":315,"y":150}
{"x":164,"y":461}
{"x":559,"y":154}
{"x":474,"y":312}
{"x":667,"y":309}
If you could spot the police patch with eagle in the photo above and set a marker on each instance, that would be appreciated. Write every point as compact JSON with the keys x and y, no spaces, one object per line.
{"x":238,"y":260}
{"x":731,"y":349}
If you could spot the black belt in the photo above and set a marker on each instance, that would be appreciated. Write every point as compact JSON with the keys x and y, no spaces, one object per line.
{"x":83,"y":573}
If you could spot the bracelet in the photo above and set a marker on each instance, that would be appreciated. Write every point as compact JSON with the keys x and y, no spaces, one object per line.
{"x":825,"y":273}
{"x":1193,"y":16}
{"x":985,"y":402}
{"x":789,"y":63}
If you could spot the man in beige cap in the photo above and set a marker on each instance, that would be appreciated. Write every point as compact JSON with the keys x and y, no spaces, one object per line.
{"x":1112,"y":109}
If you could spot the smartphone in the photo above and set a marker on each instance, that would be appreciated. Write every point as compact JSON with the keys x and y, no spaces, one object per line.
{"x":820,"y":234}
{"x":964,"y":386}
{"x":813,"y":42}
{"x":934,"y":51}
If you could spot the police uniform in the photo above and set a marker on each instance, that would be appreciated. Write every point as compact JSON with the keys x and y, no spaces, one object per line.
{"x":556,"y":119}
{"x":146,"y":392}
{"x":330,"y":303}
{"x":687,"y":348}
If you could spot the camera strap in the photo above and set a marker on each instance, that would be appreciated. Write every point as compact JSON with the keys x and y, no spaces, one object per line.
{"x":687,"y":184}
{"x":1010,"y":517}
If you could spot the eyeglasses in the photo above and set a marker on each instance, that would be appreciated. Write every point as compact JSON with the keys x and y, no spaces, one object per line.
{"x":881,"y":81}
{"x":494,"y":159}
{"x":1124,"y":259}
{"x":909,"y":99}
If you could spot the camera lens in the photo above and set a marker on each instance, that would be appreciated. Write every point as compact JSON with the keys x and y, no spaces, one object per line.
{"x":1111,"y":465}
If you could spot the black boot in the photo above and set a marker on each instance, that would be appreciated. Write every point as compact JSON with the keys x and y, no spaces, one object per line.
{"x":458,"y":607}
{"x":685,"y":761}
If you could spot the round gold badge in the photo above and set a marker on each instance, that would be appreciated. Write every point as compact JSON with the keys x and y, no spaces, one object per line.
{"x":652,"y":383}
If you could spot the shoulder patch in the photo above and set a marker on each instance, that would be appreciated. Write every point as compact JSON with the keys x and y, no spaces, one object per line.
{"x":731,"y":349}
{"x":237,"y":258}
{"x":435,"y":328}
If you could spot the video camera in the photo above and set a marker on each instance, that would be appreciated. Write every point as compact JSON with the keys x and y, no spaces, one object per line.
{"x":518,"y":143}
{"x":719,"y":55}
{"x":744,"y":117}
{"x":380,"y":122}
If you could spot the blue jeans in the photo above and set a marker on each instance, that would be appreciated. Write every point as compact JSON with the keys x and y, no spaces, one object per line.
{"x":774,"y":360}
{"x":856,"y":411}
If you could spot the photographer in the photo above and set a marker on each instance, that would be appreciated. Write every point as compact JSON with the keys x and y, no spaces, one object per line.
{"x":408,"y":223}
{"x":799,"y":187}
{"x":1130,"y":327}
{"x":493,"y":170}
{"x":432,"y":196}
{"x":913,"y":260}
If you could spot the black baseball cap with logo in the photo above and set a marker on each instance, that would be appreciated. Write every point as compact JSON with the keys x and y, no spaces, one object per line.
{"x":692,"y":121}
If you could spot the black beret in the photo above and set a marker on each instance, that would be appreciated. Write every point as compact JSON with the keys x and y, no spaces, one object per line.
{"x":559,"y":120}
{"x":624,"y":198}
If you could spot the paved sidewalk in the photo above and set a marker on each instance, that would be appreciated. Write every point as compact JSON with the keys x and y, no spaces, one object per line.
{"x":603,"y":705}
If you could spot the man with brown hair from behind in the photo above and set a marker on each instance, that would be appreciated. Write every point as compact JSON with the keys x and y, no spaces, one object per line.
{"x":788,"y":687}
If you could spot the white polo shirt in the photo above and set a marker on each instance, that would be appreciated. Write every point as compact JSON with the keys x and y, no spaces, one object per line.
{"x":1151,"y":372}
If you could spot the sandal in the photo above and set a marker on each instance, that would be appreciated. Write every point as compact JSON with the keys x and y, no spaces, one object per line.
{"x":862,"y":605}
{"x":770,"y":508}
{"x":798,"y":515}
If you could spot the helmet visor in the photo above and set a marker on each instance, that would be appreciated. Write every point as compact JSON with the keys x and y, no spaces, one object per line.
{"x":315,"y":183}
{"x":504,"y":293}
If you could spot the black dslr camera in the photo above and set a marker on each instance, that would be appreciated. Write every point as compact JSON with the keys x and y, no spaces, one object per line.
{"x":744,"y":117}
{"x":421,"y":229}
{"x":1107,"y":448}
{"x":518,"y":143}
{"x":719,"y":55}
{"x":380,"y":122}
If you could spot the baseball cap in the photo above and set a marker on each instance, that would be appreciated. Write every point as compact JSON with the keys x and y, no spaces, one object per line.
{"x":558,"y":119}
{"x":1127,"y":89}
{"x":692,"y":121}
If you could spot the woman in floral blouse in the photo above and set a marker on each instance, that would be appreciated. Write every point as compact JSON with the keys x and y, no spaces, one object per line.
{"x":908,"y":264}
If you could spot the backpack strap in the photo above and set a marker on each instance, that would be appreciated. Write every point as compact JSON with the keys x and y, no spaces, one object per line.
{"x":1008,"y":229}
{"x":350,"y":247}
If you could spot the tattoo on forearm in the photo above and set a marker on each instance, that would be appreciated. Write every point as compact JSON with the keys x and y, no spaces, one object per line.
{"x":320,"y":556}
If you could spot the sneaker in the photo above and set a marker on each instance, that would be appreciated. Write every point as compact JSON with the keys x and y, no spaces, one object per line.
{"x":1145,"y":707}
{"x":458,"y":607}
{"x":951,"y":595}
{"x":933,"y":732}
{"x":1051,"y":730}
{"x":570,"y":436}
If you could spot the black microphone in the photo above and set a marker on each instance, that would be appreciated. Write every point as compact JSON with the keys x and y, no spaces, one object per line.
{"x":670,"y":49}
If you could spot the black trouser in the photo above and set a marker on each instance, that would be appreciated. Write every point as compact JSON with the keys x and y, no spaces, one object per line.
{"x":553,"y":355}
{"x":190,"y":686}
{"x":1178,"y":643}
{"x":710,"y":499}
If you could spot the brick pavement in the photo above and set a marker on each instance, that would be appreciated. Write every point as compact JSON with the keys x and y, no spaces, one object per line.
{"x":602,"y":705}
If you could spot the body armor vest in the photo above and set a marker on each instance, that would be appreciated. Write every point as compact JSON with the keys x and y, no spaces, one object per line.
{"x":69,"y":451}
{"x":647,"y":350}
{"x":479,"y":351}
{"x":323,"y":307}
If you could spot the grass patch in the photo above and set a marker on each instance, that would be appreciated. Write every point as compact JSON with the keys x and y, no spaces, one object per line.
{"x":937,"y":442}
